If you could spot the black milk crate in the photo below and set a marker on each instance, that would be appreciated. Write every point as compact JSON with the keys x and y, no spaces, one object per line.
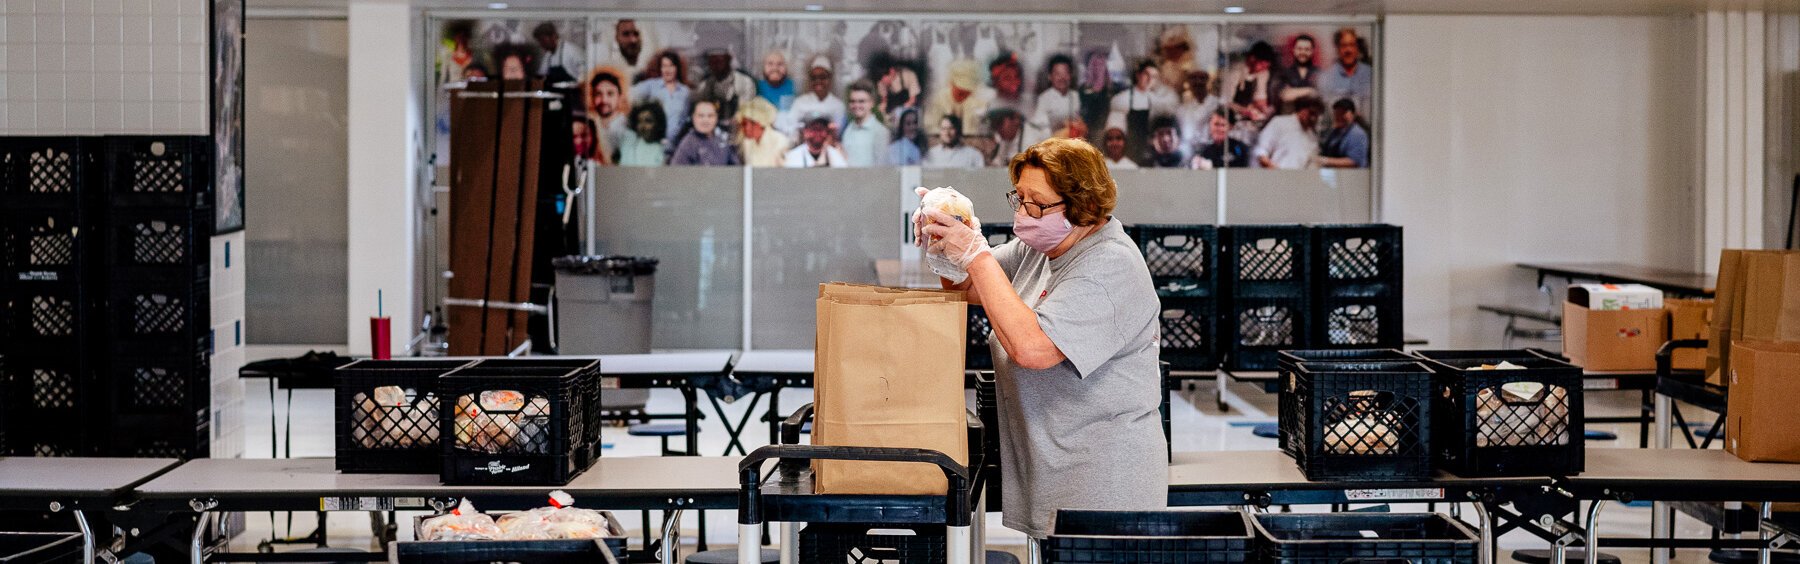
{"x":48,"y":316}
{"x":159,"y":171}
{"x":376,"y":433}
{"x":175,"y":241}
{"x":40,"y":548}
{"x":175,"y":383}
{"x":1335,"y":538}
{"x":485,"y":552}
{"x":45,"y":245}
{"x":590,"y":386}
{"x":1168,"y":536}
{"x":978,"y":356}
{"x":1288,"y":362}
{"x":1358,"y":322}
{"x":1190,"y":333}
{"x":855,"y":542}
{"x":1507,"y":422}
{"x":1266,"y":261}
{"x":157,"y":315}
{"x":1357,"y":260}
{"x":1361,"y":421}
{"x":1256,"y":329}
{"x":1183,"y":259}
{"x":997,"y":233}
{"x":51,"y":400}
{"x":166,"y":435}
{"x":515,"y":423}
{"x":51,"y":172}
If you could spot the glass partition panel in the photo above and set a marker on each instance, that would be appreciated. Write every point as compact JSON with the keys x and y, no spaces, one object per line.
{"x":1298,"y":196}
{"x":811,"y":226}
{"x":692,"y":218}
{"x":986,"y":187}
{"x":1167,"y":196}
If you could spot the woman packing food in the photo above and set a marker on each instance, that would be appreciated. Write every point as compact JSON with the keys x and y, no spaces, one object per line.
{"x":1075,"y":337}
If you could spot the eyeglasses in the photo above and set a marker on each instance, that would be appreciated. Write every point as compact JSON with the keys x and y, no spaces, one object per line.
{"x":1017,"y":202}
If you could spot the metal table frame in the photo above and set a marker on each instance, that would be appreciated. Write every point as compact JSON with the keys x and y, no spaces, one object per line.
{"x":78,"y":485}
{"x":205,"y":488}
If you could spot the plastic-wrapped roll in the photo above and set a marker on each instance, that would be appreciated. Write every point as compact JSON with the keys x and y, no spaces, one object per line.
{"x":462,"y":524}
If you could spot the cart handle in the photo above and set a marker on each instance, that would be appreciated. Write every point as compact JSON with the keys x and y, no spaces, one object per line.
{"x":790,"y":428}
{"x":1666,"y":352}
{"x":956,"y":500}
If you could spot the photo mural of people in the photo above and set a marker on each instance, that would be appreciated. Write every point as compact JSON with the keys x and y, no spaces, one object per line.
{"x":1147,"y":90}
{"x":1299,"y":95}
{"x":1151,"y":95}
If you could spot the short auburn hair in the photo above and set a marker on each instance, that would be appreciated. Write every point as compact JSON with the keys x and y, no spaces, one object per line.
{"x":1077,"y":172}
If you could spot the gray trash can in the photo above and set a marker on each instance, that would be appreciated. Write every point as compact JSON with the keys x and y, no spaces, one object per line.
{"x":603,"y":307}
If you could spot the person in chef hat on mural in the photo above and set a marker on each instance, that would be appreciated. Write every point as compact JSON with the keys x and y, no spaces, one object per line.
{"x":965,"y":97}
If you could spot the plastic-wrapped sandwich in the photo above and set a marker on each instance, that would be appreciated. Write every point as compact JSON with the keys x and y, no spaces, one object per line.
{"x":946,"y":199}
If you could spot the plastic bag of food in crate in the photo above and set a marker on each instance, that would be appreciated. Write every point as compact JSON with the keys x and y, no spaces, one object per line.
{"x":461,"y":524}
{"x":889,"y":373}
{"x":1522,"y":414}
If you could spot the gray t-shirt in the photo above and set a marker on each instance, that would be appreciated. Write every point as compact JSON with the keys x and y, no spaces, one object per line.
{"x":1086,"y":433}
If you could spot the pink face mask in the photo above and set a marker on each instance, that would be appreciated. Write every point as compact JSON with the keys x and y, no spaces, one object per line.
{"x":1042,"y":234}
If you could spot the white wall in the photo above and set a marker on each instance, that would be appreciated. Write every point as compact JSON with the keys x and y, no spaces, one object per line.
{"x":1514,"y":138}
{"x":86,"y":67}
{"x":383,"y":153}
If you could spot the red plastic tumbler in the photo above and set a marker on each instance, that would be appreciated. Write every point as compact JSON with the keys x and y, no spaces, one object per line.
{"x":380,"y":329}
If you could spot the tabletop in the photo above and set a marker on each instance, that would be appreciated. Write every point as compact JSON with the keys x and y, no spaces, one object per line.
{"x":609,"y":480}
{"x":1275,"y":470}
{"x":664,"y":363}
{"x":798,"y":361}
{"x":1662,"y":278}
{"x":1685,"y":475}
{"x":35,"y":480}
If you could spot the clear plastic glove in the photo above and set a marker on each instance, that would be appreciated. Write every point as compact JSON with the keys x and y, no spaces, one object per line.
{"x":955,"y":241}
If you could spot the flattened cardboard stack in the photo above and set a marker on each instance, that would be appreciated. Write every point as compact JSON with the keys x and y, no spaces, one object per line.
{"x":888,"y":373}
{"x":1755,"y":352}
{"x":495,"y":145}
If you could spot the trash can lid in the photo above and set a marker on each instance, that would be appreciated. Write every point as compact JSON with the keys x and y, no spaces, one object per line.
{"x":605,"y":265}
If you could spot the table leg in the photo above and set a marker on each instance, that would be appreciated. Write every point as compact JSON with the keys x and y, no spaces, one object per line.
{"x":87,"y":538}
{"x":1664,"y":406}
{"x":1220,"y":377}
{"x":790,"y":542}
{"x":1593,"y":532}
{"x":1762,"y":532}
{"x":1487,"y":534}
{"x":734,"y":434}
{"x":1645,"y":418}
{"x":1662,"y":518}
{"x":688,"y":394}
{"x":196,"y":555}
{"x":671,"y":536}
{"x":748,"y":552}
{"x":957,"y":539}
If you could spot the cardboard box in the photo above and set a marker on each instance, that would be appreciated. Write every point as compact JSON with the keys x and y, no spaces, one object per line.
{"x":1614,"y":297}
{"x":1760,"y":418}
{"x":1613,"y":340}
{"x":1728,"y":294}
{"x":1688,"y":319}
{"x":1771,"y":297}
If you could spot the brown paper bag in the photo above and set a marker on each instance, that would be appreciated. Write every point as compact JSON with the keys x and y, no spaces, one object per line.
{"x":1727,"y":302}
{"x":1759,"y":421}
{"x":888,"y":372}
{"x":1771,"y":297}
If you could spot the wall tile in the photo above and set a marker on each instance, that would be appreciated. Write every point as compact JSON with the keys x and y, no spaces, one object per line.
{"x":49,"y":57}
{"x":79,"y":57}
{"x":79,"y":86}
{"x":81,"y":117}
{"x":165,"y":87}
{"x":193,"y":87}
{"x":78,"y":29}
{"x":194,"y":7}
{"x":51,"y":116}
{"x":21,"y":7}
{"x":165,"y":58}
{"x":22,"y":116}
{"x":165,"y":116}
{"x":109,"y":116}
{"x":3,"y":17}
{"x":20,"y":28}
{"x":109,"y":58}
{"x":49,"y":28}
{"x":137,"y":117}
{"x":108,"y":28}
{"x":21,"y":87}
{"x":193,"y":30}
{"x":3,"y":95}
{"x":196,"y":117}
{"x":165,"y":29}
{"x":193,"y":58}
{"x":135,"y":7}
{"x":50,"y":87}
{"x":109,"y":7}
{"x":136,"y":28}
{"x":5,"y":124}
{"x":2,"y":57}
{"x":109,"y":87}
{"x":136,"y":59}
{"x":135,"y":87}
{"x":169,"y":7}
{"x":78,"y":7}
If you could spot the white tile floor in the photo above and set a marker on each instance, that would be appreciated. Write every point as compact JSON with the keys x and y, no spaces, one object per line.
{"x":1198,"y":426}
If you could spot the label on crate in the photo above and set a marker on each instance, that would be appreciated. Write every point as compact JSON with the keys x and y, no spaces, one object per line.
{"x":39,"y":276}
{"x":1402,"y":494}
{"x":1600,"y":384}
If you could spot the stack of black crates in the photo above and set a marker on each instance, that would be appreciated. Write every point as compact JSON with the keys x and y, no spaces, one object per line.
{"x":107,"y":331}
{"x":1184,"y":266}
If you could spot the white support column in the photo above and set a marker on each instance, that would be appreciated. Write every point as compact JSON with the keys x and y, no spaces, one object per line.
{"x":1734,"y":115}
{"x":384,"y":117}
